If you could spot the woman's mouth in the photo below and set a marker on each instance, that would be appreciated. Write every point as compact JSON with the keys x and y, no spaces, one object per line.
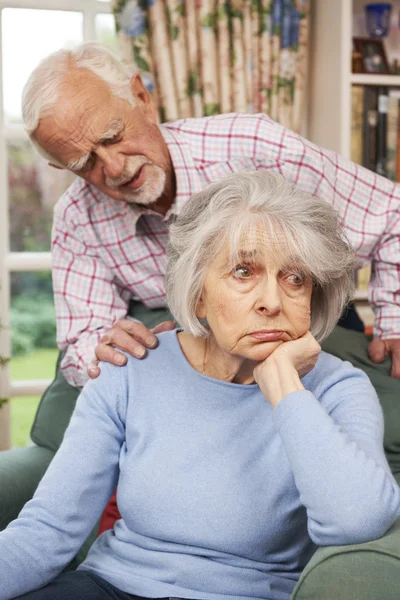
{"x":267,"y":335}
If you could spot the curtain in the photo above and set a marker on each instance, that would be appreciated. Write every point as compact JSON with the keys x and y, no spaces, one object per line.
{"x":205,"y":57}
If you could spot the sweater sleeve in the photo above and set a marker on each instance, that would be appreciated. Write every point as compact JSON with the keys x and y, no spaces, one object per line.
{"x":335,"y":447}
{"x":72,"y":494}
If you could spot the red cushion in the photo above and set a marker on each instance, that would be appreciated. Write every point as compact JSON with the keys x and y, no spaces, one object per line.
{"x":110,"y":515}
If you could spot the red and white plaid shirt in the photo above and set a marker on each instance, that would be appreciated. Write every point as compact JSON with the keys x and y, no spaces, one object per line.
{"x":105,"y":251}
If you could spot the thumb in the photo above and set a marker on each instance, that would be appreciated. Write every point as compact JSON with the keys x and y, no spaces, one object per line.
{"x":164,"y":326}
{"x":377,"y":350}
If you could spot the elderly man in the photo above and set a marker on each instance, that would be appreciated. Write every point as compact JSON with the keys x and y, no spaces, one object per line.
{"x":87,"y":112}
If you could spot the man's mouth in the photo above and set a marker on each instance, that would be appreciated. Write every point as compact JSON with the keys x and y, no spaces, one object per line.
{"x":136,"y":181}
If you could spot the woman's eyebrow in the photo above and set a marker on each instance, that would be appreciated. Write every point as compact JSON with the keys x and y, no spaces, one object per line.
{"x":232,"y":258}
{"x":247,"y":254}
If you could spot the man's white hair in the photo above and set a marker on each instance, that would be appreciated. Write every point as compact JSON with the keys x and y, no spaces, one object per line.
{"x":300,"y":228}
{"x":42,"y":90}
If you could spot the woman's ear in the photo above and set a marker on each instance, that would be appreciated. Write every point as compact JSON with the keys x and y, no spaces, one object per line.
{"x":200,"y":309}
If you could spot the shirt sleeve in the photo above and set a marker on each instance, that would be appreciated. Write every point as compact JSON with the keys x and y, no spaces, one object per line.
{"x":72,"y":494}
{"x":368,"y":206}
{"x":335,"y":447}
{"x":86,"y":296}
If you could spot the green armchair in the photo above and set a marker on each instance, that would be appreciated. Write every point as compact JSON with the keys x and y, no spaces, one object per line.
{"x":369,"y":571}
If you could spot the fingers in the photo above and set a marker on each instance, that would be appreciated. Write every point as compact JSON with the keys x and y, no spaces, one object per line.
{"x":164,"y":326}
{"x":93,"y":369}
{"x":395,"y":372}
{"x":306,"y":344}
{"x":136,"y":330}
{"x":132,"y":337}
{"x":377,"y":351}
{"x":393,"y":347}
{"x":118,"y":338}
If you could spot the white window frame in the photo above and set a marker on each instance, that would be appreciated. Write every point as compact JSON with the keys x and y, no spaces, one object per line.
{"x":25,"y":261}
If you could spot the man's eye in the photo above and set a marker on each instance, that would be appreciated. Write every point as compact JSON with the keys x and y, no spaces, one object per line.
{"x":114,"y":140}
{"x":242,"y":272}
{"x":88,"y":166}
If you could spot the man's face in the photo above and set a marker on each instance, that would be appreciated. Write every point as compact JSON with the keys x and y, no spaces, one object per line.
{"x":103,"y":139}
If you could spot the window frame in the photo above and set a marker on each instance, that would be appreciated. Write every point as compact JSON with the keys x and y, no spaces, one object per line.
{"x":25,"y":261}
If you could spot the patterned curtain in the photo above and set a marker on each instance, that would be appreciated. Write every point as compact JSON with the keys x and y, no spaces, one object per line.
{"x":204,"y":57}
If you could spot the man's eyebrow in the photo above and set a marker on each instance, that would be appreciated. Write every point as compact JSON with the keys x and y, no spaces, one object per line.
{"x":112,"y":130}
{"x":79,"y":163}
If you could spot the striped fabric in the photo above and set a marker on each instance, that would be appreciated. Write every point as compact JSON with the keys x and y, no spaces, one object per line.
{"x":105,"y":251}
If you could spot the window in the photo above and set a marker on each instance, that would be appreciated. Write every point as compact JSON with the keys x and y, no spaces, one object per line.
{"x":30,"y":30}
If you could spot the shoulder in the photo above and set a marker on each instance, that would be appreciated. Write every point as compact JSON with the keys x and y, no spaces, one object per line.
{"x":84,"y":211}
{"x":82,"y":202}
{"x":76,"y":201}
{"x":234,"y":134}
{"x":165,"y":358}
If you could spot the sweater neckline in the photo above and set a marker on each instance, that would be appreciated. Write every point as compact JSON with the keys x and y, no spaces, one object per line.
{"x":194,"y":372}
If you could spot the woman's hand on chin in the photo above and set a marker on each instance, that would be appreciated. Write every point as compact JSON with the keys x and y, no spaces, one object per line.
{"x":280,"y":373}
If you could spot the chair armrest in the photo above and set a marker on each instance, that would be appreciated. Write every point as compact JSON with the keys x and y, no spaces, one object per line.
{"x":21,"y":469}
{"x":355,"y":572}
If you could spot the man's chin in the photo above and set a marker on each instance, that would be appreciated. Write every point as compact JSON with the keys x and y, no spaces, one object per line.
{"x":148,"y":193}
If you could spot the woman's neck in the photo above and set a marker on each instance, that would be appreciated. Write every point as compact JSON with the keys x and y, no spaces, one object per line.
{"x":208,"y":358}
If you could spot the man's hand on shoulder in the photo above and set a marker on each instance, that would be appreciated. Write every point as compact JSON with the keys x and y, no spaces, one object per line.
{"x":379,"y":349}
{"x":131,"y":336}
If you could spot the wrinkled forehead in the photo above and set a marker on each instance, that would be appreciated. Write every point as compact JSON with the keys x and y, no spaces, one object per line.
{"x":266,"y":243}
{"x":82,"y":110}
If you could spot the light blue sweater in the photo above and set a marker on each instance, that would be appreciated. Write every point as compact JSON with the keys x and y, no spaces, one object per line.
{"x":221,"y":496}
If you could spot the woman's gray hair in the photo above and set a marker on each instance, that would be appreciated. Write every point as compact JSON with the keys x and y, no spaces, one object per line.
{"x":303,"y":228}
{"x":43,"y":88}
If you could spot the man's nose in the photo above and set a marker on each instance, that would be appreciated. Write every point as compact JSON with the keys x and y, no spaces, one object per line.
{"x":269,"y":302}
{"x":112,"y":160}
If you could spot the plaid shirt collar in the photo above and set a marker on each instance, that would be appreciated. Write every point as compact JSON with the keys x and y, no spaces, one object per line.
{"x":188,"y":181}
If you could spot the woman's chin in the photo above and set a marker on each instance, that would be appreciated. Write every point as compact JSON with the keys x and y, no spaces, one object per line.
{"x":261,"y":351}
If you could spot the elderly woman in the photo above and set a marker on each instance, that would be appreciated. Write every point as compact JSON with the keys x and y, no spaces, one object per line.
{"x":238,"y":446}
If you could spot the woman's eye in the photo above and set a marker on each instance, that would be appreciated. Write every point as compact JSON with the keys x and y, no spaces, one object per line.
{"x":242,"y":272}
{"x":295,"y":279}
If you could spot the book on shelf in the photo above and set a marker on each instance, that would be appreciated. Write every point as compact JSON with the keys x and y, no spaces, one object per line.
{"x":393,"y":126}
{"x":370,"y":123}
{"x":381,"y":131}
{"x":357,"y":109}
{"x":375,"y":129}
{"x":362,"y":278}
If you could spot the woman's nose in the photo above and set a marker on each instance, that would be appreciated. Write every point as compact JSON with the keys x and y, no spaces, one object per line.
{"x":269,"y":302}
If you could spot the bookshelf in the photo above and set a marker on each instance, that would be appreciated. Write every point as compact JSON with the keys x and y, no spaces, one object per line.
{"x":331,"y":78}
{"x":335,"y":22}
{"x":367,"y":79}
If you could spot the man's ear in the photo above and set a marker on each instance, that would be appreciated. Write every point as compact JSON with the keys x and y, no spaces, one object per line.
{"x":142,"y":98}
{"x":56,"y":166}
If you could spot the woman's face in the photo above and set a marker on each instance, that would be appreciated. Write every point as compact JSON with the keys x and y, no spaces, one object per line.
{"x":259,"y":304}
